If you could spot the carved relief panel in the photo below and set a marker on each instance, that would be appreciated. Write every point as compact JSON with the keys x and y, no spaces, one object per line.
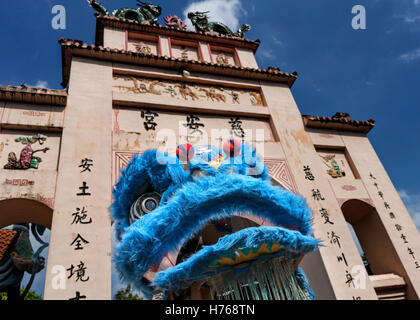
{"x":142,"y":43}
{"x":185,"y":91}
{"x":224,"y":56}
{"x":142,"y":46}
{"x":182,"y":49}
{"x":336,"y":164}
{"x":28,"y":165}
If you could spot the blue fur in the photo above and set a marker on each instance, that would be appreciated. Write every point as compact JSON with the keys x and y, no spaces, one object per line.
{"x":197,"y":267}
{"x":188,"y":203}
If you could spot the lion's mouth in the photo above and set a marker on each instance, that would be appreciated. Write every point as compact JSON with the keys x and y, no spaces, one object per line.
{"x":236,"y":258}
{"x":216,"y":233}
{"x":216,"y":229}
{"x":207,"y":236}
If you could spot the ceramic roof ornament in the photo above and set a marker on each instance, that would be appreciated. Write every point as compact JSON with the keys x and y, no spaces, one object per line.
{"x":98,"y":7}
{"x":202,"y":24}
{"x":175,"y":22}
{"x":146,"y":13}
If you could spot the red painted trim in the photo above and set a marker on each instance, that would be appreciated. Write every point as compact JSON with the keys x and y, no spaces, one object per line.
{"x":236,"y":53}
{"x":195,"y":45}
{"x":200,"y":52}
{"x":159,"y":45}
{"x":230,"y":50}
{"x":170,"y":47}
{"x":163,"y":30}
{"x":211,"y":56}
{"x":139,"y":36}
{"x":126,"y":40}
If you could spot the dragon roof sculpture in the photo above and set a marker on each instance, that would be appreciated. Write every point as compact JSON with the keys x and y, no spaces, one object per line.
{"x":201,"y":22}
{"x":146,"y":13}
{"x":210,"y":218}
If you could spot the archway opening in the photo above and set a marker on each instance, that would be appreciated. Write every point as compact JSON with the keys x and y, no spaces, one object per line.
{"x":378,"y":253}
{"x":24,"y":240}
{"x":359,"y":248}
{"x":18,"y":210}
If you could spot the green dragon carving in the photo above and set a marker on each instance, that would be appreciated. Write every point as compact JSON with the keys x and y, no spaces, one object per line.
{"x":201,"y":23}
{"x":98,"y":7}
{"x":146,"y":13}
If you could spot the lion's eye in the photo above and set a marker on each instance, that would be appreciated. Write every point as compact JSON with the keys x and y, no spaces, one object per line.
{"x":145,"y":204}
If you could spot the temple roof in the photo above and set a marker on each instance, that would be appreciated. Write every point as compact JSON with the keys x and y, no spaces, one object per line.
{"x":28,"y":94}
{"x":115,"y":22}
{"x":77,"y":47}
{"x":339,"y":121}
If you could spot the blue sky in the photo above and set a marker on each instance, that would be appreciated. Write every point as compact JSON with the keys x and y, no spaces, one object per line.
{"x":372,"y":73}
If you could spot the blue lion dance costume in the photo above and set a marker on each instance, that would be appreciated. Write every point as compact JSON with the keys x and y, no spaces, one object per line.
{"x":210,"y":219}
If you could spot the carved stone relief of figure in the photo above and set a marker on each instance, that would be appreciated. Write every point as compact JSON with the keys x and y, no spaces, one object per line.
{"x":256,"y":99}
{"x":212,"y":95}
{"x":334,"y":169}
{"x":188,"y":90}
{"x":27,"y":159}
{"x":143,"y":48}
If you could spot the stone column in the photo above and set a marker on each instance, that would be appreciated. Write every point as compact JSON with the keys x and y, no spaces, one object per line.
{"x":299,"y":151}
{"x":80,"y":241}
{"x":399,"y":226}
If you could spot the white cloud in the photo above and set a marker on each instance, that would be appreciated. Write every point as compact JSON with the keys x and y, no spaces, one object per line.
{"x":411,"y":19}
{"x":267,"y":54}
{"x":412,"y":202}
{"x":316,"y":88}
{"x":411,"y":14}
{"x":253,"y":8}
{"x":41,"y":84}
{"x":277,"y":41}
{"x":227,"y":12}
{"x":410,"y":56}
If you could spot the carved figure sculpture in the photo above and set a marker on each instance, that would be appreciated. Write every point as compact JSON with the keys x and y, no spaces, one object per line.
{"x":256,"y":99}
{"x":27,"y":159}
{"x":146,"y":13}
{"x":212,"y":95}
{"x":175,"y":22}
{"x":186,"y":91}
{"x":201,"y":23}
{"x":98,"y":7}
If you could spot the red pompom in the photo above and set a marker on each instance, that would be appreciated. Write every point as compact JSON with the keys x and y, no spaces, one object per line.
{"x":185,"y":152}
{"x":232,"y":148}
